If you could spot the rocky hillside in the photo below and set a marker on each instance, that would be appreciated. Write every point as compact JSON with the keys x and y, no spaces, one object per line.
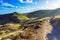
{"x":34,"y":26}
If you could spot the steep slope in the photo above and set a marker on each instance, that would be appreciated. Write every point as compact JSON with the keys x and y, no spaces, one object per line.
{"x":12,"y":18}
{"x":56,"y":29}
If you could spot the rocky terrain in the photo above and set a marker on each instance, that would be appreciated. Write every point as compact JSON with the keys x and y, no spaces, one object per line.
{"x":38,"y":25}
{"x":45,"y":29}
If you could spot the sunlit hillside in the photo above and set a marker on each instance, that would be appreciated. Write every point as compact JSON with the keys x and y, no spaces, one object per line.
{"x":13,"y":18}
{"x":38,"y":25}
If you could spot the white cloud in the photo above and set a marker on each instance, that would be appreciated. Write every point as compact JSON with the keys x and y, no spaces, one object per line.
{"x":52,"y":4}
{"x":30,"y":1}
{"x":47,"y":1}
{"x":27,"y":9}
{"x":5,"y":4}
{"x":21,"y":1}
{"x":49,"y":4}
{"x":35,"y":3}
{"x":27,"y":1}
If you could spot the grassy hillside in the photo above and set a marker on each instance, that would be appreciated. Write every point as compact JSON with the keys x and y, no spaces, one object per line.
{"x":18,"y":17}
{"x":22,"y":17}
{"x":12,"y":18}
{"x":43,"y":13}
{"x":36,"y":26}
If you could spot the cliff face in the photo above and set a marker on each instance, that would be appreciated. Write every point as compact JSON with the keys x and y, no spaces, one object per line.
{"x":56,"y":29}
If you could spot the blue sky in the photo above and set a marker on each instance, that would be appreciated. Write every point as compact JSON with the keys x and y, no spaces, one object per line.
{"x":24,"y":6}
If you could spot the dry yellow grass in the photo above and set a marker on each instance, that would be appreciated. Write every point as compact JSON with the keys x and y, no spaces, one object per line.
{"x":57,"y":16}
{"x":12,"y":26}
